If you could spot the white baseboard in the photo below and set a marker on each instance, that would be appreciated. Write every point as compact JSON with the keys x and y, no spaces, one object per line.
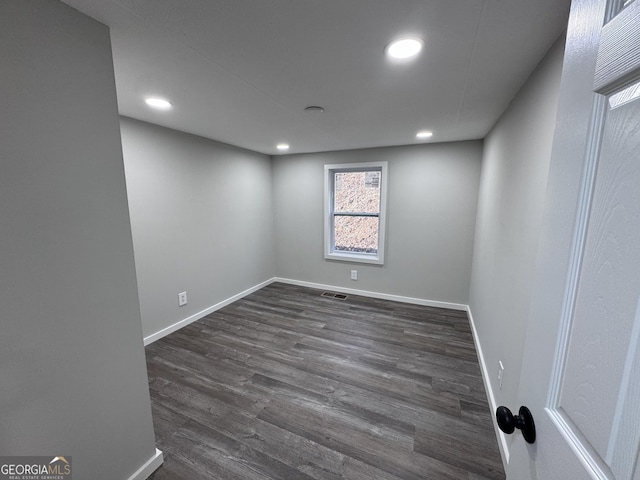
{"x":502,"y":439}
{"x":383,"y":296}
{"x":149,"y":467}
{"x":197,"y":316}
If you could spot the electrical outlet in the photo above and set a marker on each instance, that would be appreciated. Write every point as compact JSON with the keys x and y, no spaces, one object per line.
{"x":182,"y":299}
{"x":500,"y":374}
{"x":354,"y":274}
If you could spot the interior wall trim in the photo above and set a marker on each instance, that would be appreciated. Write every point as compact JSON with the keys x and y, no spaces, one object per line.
{"x":203,"y":313}
{"x":502,"y":438}
{"x":365,"y":293}
{"x":383,"y":296}
{"x":149,"y":467}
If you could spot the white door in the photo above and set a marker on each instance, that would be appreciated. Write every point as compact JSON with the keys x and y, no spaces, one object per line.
{"x":581,"y":370}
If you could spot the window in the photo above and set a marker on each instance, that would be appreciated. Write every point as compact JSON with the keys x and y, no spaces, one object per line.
{"x":355,"y":200}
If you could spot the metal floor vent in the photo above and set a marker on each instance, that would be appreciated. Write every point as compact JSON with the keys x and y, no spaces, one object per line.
{"x":337,"y":296}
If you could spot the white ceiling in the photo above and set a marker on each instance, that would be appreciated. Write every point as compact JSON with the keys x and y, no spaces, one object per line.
{"x":242,"y":71}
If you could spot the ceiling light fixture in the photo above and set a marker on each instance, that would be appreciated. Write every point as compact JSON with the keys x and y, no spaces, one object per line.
{"x":405,"y":47}
{"x":424,"y":134}
{"x":159,"y":103}
{"x":282,"y":146}
{"x":314,"y":109}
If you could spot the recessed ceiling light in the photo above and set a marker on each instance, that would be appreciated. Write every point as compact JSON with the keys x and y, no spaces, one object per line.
{"x":314,"y":108}
{"x":282,"y":146}
{"x":159,"y":103}
{"x":424,"y":134}
{"x":404,"y":48}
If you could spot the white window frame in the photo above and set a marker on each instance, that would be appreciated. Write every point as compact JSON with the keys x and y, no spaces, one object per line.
{"x":329,"y":175}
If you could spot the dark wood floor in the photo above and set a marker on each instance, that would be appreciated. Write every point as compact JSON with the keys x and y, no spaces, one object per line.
{"x":287,"y":384}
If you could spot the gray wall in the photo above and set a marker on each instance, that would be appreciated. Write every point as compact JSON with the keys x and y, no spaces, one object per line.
{"x":202,"y":220}
{"x":431,"y":215}
{"x":72,"y":365}
{"x":512,"y":192}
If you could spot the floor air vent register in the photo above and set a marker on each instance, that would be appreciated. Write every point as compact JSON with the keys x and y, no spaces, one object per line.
{"x":337,"y":296}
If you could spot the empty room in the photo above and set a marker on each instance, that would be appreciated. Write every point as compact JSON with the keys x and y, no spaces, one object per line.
{"x":277,"y":239}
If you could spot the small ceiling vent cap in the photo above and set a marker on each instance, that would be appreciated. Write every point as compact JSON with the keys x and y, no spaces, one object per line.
{"x":314,"y":108}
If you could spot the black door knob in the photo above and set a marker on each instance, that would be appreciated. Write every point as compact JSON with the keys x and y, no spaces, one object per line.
{"x":507,"y":422}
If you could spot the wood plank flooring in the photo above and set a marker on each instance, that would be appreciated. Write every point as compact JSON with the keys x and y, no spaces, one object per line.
{"x":287,"y":384}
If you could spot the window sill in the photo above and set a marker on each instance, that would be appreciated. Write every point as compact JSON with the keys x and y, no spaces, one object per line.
{"x":355,"y":257}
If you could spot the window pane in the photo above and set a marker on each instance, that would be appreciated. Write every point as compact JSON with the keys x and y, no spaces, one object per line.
{"x":356,"y":234}
{"x":357,"y":192}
